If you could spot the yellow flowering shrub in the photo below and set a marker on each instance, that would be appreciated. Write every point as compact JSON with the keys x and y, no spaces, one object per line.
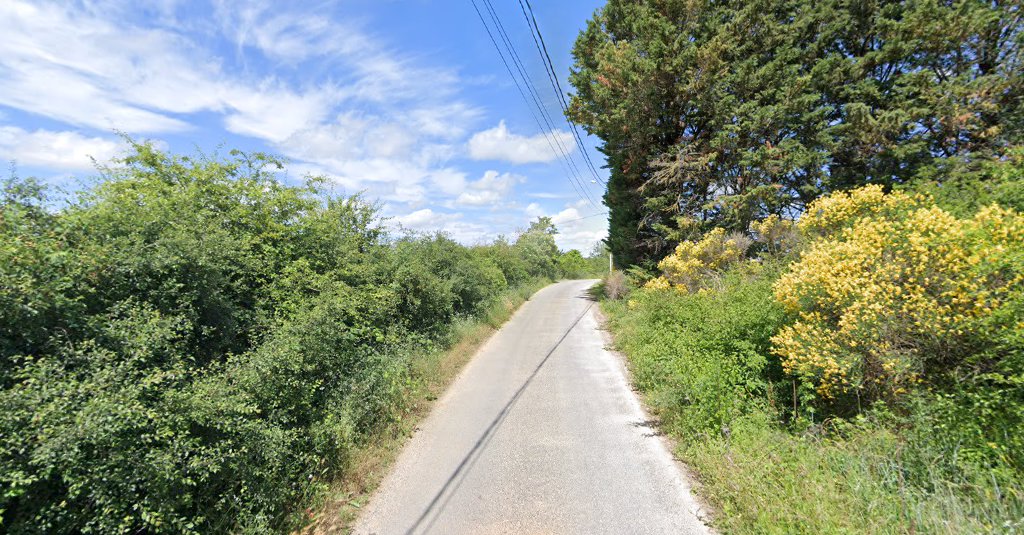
{"x":837,"y":211}
{"x":776,"y":233}
{"x":694,"y":262}
{"x":891,"y":287}
{"x":658,"y":283}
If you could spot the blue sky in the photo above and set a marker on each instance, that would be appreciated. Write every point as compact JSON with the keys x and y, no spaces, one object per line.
{"x":406,"y":101}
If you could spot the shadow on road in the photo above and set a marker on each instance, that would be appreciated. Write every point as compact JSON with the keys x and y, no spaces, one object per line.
{"x":440,"y":500}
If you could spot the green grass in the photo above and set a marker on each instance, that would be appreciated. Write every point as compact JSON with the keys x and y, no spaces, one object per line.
{"x":764,"y":479}
{"x":704,"y":366}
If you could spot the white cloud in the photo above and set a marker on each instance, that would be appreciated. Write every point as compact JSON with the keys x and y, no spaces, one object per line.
{"x":384,"y":178}
{"x":72,"y":98}
{"x":453,"y":224}
{"x":447,"y":121}
{"x":351,"y":136}
{"x":490,"y":190}
{"x":58,"y":150}
{"x":335,"y":42}
{"x":426,"y":219}
{"x":71,"y":62}
{"x":75,"y":66}
{"x":289,"y":37}
{"x":544,"y":195}
{"x":500,"y":144}
{"x":333,"y":99}
{"x":274,"y":113}
{"x":449,"y":181}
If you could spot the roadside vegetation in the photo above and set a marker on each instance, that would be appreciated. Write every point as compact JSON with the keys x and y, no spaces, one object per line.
{"x":864,"y":377}
{"x":818,"y":212}
{"x":191,"y":346}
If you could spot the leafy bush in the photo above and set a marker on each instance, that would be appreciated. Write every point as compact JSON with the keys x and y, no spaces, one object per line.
{"x":964,"y":188}
{"x":192,"y":346}
{"x":694,"y":264}
{"x":895,"y":291}
{"x":945,"y":460}
{"x":704,"y":358}
{"x":572,"y":265}
{"x":537,"y":248}
{"x":878,"y":372}
{"x":775,"y":235}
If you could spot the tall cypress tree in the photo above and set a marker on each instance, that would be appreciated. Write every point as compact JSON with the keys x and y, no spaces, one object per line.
{"x":721,"y":113}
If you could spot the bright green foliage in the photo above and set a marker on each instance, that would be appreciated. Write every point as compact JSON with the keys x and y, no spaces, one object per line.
{"x":40,"y":277}
{"x":440,"y":278}
{"x":722,"y":113}
{"x":722,"y":117}
{"x":873,"y":476}
{"x":945,"y":461}
{"x":704,"y":358}
{"x":962,"y":190}
{"x":884,"y":379}
{"x":192,"y":346}
{"x":537,"y":247}
{"x":572,"y":265}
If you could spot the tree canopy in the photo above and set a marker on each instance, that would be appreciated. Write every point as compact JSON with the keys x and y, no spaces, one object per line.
{"x":718,"y":114}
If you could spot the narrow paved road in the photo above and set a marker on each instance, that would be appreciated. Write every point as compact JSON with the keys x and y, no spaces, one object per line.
{"x":540,"y":434}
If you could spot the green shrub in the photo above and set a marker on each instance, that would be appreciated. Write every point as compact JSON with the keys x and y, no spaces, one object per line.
{"x":963,"y":188}
{"x":881,"y":275}
{"x":704,"y":358}
{"x":572,"y":265}
{"x":192,"y":346}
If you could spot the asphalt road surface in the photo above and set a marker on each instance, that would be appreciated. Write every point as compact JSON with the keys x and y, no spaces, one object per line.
{"x":539,"y":434}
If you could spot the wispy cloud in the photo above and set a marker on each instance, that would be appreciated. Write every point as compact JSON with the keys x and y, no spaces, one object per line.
{"x":545,"y":195}
{"x":452,"y":224}
{"x":70,"y":151}
{"x":66,"y":63}
{"x":577,"y":228}
{"x":288,"y":37}
{"x":75,"y":67}
{"x":490,"y":190}
{"x":310,"y":82}
{"x":499,"y":143}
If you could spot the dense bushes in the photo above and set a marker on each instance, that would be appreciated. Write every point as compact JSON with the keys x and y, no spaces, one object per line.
{"x":865,"y":364}
{"x":694,"y":264}
{"x":192,"y":346}
{"x":717,"y":114}
{"x":897,"y":292}
{"x":703,"y":357}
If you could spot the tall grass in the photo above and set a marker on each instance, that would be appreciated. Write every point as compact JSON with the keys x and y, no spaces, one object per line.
{"x":703,"y":364}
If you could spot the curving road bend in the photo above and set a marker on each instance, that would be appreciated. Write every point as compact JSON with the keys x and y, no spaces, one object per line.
{"x":541,"y":433}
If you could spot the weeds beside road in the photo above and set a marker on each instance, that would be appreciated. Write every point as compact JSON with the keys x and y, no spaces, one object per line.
{"x":848,"y":380}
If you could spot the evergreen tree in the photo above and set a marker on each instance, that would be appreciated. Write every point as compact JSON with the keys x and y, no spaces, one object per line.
{"x":717,"y":114}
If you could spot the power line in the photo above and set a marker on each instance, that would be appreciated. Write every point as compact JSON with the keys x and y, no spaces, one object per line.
{"x":574,"y":172}
{"x":581,"y":193}
{"x":557,"y":86}
{"x":542,"y":50}
{"x":538,"y":101}
{"x":522,"y":93}
{"x":582,"y":218}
